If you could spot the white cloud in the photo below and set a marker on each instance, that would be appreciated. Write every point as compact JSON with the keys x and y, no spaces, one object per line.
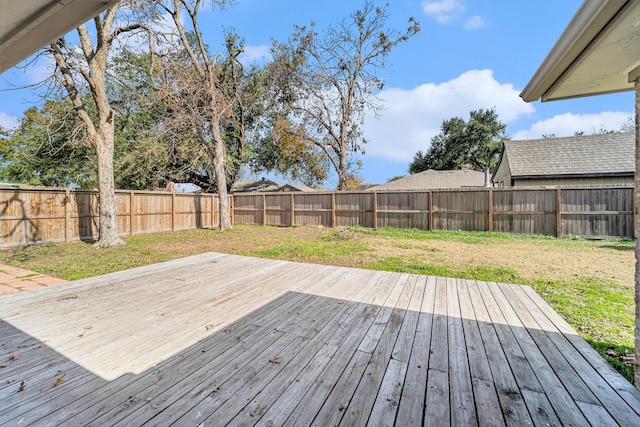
{"x":474,"y":23}
{"x":414,"y":116}
{"x":443,"y":11}
{"x":8,"y":122}
{"x":253,"y":54}
{"x":40,"y":69}
{"x":568,"y":124}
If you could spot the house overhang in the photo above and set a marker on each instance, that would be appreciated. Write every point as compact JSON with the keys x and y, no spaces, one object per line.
{"x":28,"y":25}
{"x":593,"y":56}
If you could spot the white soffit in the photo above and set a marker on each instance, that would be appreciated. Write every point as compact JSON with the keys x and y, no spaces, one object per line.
{"x":28,"y":25}
{"x":593,"y":56}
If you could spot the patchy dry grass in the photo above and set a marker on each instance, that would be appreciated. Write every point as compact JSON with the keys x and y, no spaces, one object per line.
{"x":590,"y":283}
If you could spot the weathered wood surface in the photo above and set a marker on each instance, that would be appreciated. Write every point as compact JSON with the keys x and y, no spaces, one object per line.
{"x":597,"y":212}
{"x":50,"y":215}
{"x":220,"y":339}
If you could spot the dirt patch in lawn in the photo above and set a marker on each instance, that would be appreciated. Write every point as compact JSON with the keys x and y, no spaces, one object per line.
{"x":532,"y":260}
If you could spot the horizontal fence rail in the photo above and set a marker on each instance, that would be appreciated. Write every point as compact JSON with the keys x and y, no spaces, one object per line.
{"x":30,"y":215}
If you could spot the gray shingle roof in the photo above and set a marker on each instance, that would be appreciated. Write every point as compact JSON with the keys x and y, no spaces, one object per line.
{"x":432,"y":179}
{"x":265,"y":185}
{"x":600,"y":154}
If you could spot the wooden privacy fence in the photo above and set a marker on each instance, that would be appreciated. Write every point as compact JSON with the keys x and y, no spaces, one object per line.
{"x":593,"y":212}
{"x":58,"y":215}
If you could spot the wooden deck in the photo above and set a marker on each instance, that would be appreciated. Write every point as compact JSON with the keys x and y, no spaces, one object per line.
{"x":219,"y":339}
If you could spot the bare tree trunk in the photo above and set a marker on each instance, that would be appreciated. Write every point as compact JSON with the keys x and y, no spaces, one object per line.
{"x":342,"y":180}
{"x":101,"y":133}
{"x":637,"y":236}
{"x":107,"y":219}
{"x":219,"y":165}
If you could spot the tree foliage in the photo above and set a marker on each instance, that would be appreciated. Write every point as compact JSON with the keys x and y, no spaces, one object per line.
{"x":46,"y":149}
{"x":476,"y":142}
{"x":193,"y":92}
{"x":50,"y":145}
{"x":287,"y":151}
{"x":329,"y":80}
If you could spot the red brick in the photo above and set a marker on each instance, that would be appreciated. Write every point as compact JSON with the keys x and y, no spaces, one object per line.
{"x":48,"y":280}
{"x":4,"y":290}
{"x":27,"y":285}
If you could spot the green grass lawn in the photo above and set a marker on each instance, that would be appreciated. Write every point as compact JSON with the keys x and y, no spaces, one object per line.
{"x":589,"y":283}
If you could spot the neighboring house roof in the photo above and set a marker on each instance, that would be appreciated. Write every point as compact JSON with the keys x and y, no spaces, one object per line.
{"x":266,"y":185}
{"x":363,"y":187}
{"x":432,"y":180}
{"x":296,"y":187}
{"x":607,"y":154}
{"x":594,"y":54}
{"x":27,"y":26}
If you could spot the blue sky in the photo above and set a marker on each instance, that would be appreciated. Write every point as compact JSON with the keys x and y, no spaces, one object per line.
{"x":470,"y":54}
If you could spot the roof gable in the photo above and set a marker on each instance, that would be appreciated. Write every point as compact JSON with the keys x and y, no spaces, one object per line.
{"x":600,"y":154}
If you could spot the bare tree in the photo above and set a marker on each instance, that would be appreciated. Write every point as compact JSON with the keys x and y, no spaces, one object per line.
{"x":79,"y":73}
{"x":191,"y":86}
{"x":335,"y":80}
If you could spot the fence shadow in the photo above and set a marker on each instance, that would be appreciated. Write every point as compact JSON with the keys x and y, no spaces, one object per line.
{"x":87,"y":216}
{"x":197,"y":206}
{"x":22,"y":223}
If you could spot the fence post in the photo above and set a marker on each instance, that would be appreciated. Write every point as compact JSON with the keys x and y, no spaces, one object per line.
{"x":490,"y":210}
{"x":67,"y":215}
{"x":132,"y":198}
{"x":213,"y":203}
{"x":333,"y":209}
{"x":558,"y":213}
{"x":634,"y":217}
{"x":293,"y":211}
{"x":430,"y":207}
{"x":375,"y":210}
{"x":173,"y":211}
{"x":264,"y":209}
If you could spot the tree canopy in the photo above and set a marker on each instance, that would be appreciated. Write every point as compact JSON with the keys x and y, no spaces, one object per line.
{"x":330,"y":81}
{"x":476,"y":142}
{"x":179,"y":112}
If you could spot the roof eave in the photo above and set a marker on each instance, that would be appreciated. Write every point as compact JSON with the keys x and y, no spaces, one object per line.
{"x":587,"y":23}
{"x":575,"y":175}
{"x":52,"y":20}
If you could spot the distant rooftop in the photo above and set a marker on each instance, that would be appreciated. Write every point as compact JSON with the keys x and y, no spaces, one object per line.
{"x":266,"y":185}
{"x":433,"y":179}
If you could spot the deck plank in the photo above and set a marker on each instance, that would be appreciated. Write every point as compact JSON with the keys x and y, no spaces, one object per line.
{"x":412,"y":401}
{"x":565,"y":407}
{"x":514,"y":410}
{"x":463,"y":411}
{"x":244,"y":341}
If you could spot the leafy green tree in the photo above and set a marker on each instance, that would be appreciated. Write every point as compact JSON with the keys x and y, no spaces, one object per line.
{"x":286,"y":151}
{"x":47,"y":149}
{"x":330,"y":80}
{"x":476,"y":142}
